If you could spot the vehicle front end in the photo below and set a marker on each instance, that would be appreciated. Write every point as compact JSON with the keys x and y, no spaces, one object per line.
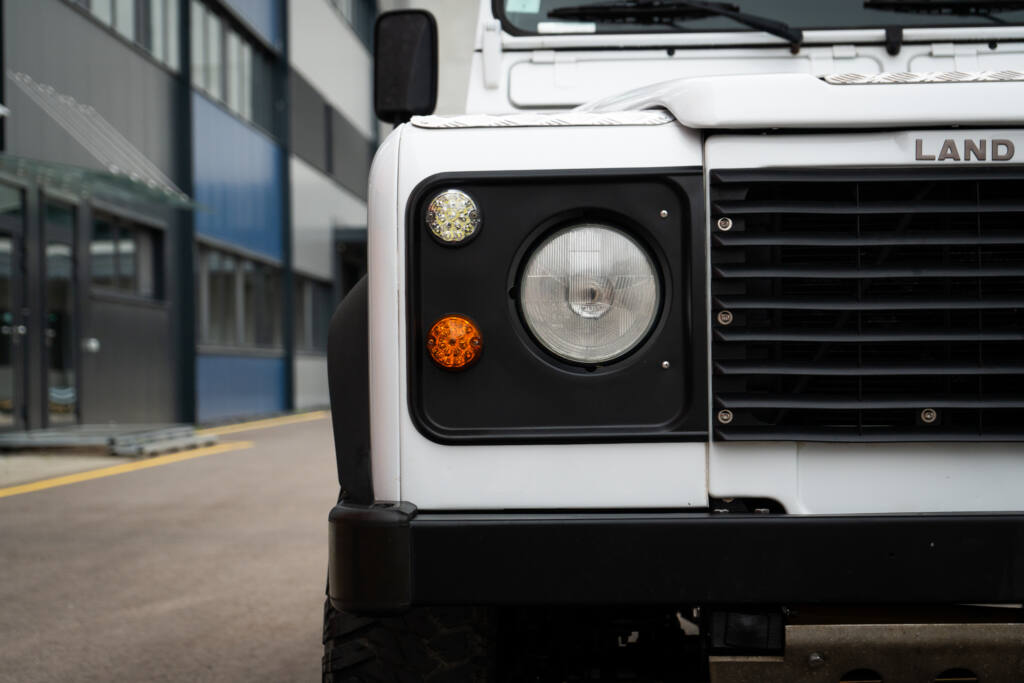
{"x":721,"y":372}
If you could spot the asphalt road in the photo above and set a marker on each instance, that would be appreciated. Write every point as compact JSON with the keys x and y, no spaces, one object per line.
{"x":207,"y":569}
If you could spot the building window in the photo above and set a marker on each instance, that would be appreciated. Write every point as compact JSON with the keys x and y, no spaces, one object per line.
{"x":124,"y":18}
{"x":213,"y":64}
{"x":103,"y":9}
{"x":262,"y":304}
{"x":233,"y":46}
{"x":360,"y":15}
{"x":239,"y":301}
{"x":151,"y":24}
{"x":126,"y":257}
{"x":221,"y":294}
{"x":232,"y":69}
{"x":314,"y":305}
{"x":158,"y":30}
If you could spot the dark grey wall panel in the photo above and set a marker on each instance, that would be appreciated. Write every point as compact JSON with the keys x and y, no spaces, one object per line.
{"x":131,"y":378}
{"x":329,"y":143}
{"x":308,"y":123}
{"x":59,"y":46}
{"x":351,"y":155}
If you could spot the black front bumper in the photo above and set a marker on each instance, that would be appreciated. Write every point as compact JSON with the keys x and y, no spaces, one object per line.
{"x":385,"y":558}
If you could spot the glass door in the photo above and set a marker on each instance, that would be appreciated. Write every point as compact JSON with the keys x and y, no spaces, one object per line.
{"x":60,"y":319}
{"x":12,"y":325}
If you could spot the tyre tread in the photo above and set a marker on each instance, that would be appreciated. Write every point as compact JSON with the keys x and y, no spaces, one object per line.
{"x":433,"y":645}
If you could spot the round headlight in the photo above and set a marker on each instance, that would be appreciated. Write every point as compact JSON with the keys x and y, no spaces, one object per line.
{"x":589,"y":293}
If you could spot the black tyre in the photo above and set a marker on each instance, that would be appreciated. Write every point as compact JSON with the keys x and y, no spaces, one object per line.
{"x":434,"y":645}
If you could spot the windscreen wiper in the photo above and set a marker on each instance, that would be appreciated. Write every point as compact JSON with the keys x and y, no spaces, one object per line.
{"x":671,"y":11}
{"x":954,"y":7}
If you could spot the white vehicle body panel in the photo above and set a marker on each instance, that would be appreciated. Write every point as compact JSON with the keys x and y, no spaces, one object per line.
{"x":767,"y":88}
{"x":570,"y":80}
{"x":848,"y":149}
{"x":805,"y":101}
{"x":407,"y":465}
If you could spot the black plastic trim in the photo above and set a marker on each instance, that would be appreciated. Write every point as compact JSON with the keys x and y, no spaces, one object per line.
{"x":893,"y":39}
{"x":348,"y":377}
{"x":369,"y":561}
{"x":397,"y":116}
{"x":391,"y":556}
{"x":679,"y":329}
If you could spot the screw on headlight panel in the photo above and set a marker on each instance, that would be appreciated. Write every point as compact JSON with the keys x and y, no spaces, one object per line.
{"x":663,"y":213}
{"x":454,"y":342}
{"x":725,"y":416}
{"x":725,"y":318}
{"x":725,"y":224}
{"x":453,"y":217}
{"x":929,"y":415}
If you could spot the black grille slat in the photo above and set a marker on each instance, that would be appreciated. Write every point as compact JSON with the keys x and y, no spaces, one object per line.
{"x":812,"y":273}
{"x":854,"y":337}
{"x":878,"y":304}
{"x":831,"y":240}
{"x":862,"y":370}
{"x":853,"y":208}
{"x":868,"y":304}
{"x":826,"y":402}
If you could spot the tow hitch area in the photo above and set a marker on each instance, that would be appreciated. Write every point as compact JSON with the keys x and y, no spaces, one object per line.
{"x":988,"y":647}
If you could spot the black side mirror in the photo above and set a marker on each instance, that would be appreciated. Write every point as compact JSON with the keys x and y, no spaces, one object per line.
{"x":405,"y":65}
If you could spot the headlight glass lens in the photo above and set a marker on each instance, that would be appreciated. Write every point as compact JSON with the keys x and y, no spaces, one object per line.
{"x":589,"y":293}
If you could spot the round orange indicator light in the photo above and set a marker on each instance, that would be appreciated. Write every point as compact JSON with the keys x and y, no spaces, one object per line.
{"x":454,"y":342}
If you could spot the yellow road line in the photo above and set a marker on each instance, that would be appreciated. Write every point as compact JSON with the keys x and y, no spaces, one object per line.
{"x":263,"y":424}
{"x":121,"y":469}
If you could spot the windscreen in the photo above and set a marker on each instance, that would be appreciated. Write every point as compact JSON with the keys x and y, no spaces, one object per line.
{"x":531,"y":17}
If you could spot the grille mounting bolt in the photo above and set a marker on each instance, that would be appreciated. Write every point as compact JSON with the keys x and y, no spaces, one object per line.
{"x":725,"y":317}
{"x":929,"y":415}
{"x":665,"y":365}
{"x":725,"y":416}
{"x":724,"y":223}
{"x":663,"y":213}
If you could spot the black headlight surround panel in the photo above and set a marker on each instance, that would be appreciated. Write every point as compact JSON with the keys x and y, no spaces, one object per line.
{"x":518,"y":392}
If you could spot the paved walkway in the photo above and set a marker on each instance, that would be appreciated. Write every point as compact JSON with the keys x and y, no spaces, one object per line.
{"x":198,"y":566}
{"x":21,"y":468}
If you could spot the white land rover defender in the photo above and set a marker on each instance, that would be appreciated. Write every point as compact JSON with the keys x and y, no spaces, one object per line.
{"x":694,"y":350}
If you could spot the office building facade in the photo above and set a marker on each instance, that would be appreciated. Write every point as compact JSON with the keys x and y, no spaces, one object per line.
{"x":172,"y":241}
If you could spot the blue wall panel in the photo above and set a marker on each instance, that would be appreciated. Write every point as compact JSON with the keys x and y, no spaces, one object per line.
{"x":239,"y":183}
{"x":263,"y":16}
{"x":238,"y":386}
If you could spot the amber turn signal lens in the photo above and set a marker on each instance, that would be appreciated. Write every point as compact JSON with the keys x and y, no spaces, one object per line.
{"x":454,"y":342}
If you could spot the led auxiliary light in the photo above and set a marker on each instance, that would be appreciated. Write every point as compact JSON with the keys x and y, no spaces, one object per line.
{"x":589,"y":293}
{"x":453,"y":217}
{"x":454,"y":342}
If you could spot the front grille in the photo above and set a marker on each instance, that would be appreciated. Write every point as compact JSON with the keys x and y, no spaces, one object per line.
{"x":868,"y":304}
